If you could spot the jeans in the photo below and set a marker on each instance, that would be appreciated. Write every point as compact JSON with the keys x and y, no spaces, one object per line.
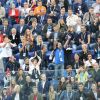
{"x":59,"y":69}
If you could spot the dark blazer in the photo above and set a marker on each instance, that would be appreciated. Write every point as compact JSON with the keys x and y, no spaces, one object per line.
{"x":39,"y":97}
{"x":64,"y":17}
{"x":44,"y":90}
{"x":78,"y":94}
{"x":92,"y":97}
{"x":20,"y":96}
{"x":44,"y":21}
{"x":23,"y":30}
{"x":84,"y":7}
{"x":45,"y":30}
{"x":16,"y":40}
{"x":13,"y":65}
{"x":37,"y":30}
{"x":44,"y":59}
{"x":28,"y":19}
{"x":7,"y":31}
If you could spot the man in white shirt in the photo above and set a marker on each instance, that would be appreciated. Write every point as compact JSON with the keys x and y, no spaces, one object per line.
{"x":90,"y":62}
{"x":34,"y":63}
{"x":25,"y":10}
{"x":71,"y":20}
{"x":6,"y":48}
{"x":96,"y":7}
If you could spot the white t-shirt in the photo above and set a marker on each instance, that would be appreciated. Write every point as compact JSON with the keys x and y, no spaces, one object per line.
{"x":71,"y":20}
{"x":6,"y":51}
{"x":31,"y":66}
{"x":17,"y":97}
{"x":87,"y":63}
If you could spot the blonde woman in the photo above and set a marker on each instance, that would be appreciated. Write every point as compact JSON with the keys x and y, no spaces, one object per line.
{"x":52,"y":93}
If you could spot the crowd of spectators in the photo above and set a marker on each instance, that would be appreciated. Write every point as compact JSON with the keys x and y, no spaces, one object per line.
{"x":49,"y":50}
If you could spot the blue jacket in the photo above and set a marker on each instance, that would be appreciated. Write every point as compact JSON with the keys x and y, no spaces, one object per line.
{"x":59,"y":56}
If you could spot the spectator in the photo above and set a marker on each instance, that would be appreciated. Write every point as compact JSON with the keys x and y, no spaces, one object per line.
{"x":90,"y":61}
{"x":14,"y":36}
{"x":2,"y":13}
{"x":22,"y":27}
{"x":25,"y":66}
{"x":1,"y":36}
{"x":25,"y":10}
{"x":61,"y":85}
{"x":74,"y":83}
{"x":6,"y":28}
{"x":81,"y":94}
{"x":35,"y":95}
{"x":89,"y":17}
{"x":30,"y":41}
{"x":76,"y":63}
{"x":20,"y":77}
{"x":84,"y":54}
{"x":11,"y":87}
{"x":96,"y":7}
{"x":71,"y":20}
{"x":13,"y":14}
{"x":96,"y":74}
{"x":80,"y":7}
{"x":78,"y":26}
{"x":39,"y":42}
{"x":17,"y":95}
{"x":5,"y":96}
{"x":84,"y":36}
{"x":6,"y":50}
{"x":62,"y":14}
{"x":36,"y":28}
{"x":89,"y":83}
{"x":27,"y":87}
{"x":48,"y":28}
{"x":97,"y":49}
{"x":29,"y":18}
{"x":68,"y":93}
{"x":58,"y":60}
{"x":13,"y":65}
{"x":52,"y":95}
{"x":69,"y":72}
{"x":53,"y":10}
{"x":62,"y":25}
{"x":94,"y":26}
{"x":39,"y":10}
{"x":42,"y":54}
{"x":82,"y":75}
{"x":34,"y":66}
{"x":43,"y":86}
{"x":94,"y":93}
{"x":53,"y":37}
{"x":23,"y":52}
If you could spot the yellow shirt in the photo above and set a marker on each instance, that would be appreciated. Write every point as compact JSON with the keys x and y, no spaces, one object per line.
{"x":40,"y":10}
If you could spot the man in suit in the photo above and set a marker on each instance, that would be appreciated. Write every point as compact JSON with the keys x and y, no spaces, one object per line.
{"x":94,"y":93}
{"x":22,"y":27}
{"x":6,"y":28}
{"x":29,"y":18}
{"x":81,"y":93}
{"x":35,"y":95}
{"x":48,"y":28}
{"x":27,"y":87}
{"x":42,"y":54}
{"x":14,"y":36}
{"x":42,"y":19}
{"x":43,"y":86}
{"x":53,"y":10}
{"x":35,"y":27}
{"x":62,"y":14}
